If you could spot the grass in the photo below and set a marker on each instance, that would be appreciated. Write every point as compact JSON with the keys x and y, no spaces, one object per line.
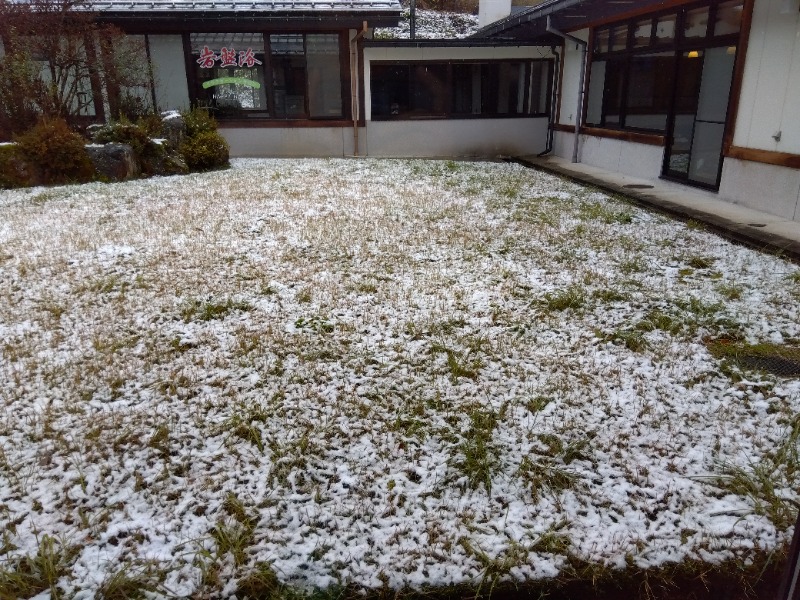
{"x":132,"y":581}
{"x":207,"y":310}
{"x":572,"y":297}
{"x":340,"y":379}
{"x":477,"y":453}
{"x":30,"y":575}
{"x":757,"y":480}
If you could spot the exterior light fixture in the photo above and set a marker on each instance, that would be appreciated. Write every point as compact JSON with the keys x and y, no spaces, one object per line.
{"x":693,"y":54}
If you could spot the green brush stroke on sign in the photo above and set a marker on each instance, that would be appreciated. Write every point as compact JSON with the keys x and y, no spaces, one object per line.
{"x":233,"y":80}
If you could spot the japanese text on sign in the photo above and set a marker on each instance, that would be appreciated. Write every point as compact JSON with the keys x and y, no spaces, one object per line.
{"x":227,"y":57}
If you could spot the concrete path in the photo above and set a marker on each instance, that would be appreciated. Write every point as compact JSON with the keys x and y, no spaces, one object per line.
{"x":755,"y":228}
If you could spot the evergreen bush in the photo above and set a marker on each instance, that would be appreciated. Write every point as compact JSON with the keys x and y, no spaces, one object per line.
{"x":198,"y":120}
{"x":57,"y":152}
{"x":14,"y":170}
{"x":205,"y":151}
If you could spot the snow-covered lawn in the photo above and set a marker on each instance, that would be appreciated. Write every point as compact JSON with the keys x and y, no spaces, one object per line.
{"x":378,"y":373}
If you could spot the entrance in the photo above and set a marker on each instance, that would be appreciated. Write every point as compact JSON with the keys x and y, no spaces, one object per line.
{"x":696,"y":127}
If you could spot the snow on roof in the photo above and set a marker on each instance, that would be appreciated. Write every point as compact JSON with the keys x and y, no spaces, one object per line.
{"x":234,"y":6}
{"x":431,"y":24}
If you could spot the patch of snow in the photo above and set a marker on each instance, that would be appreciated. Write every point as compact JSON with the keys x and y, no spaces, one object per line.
{"x":431,"y":24}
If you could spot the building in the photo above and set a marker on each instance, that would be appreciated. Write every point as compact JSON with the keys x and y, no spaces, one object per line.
{"x":281,"y":77}
{"x":704,"y":93}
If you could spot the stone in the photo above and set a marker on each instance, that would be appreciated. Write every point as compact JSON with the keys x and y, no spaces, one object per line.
{"x":93,"y":129}
{"x":173,"y":128}
{"x":115,"y":162}
{"x":170,"y":163}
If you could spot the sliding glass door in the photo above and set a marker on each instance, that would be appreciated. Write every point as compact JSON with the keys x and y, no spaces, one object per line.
{"x":697,"y":127}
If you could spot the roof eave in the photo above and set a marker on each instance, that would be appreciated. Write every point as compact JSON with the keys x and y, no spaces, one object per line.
{"x":183,"y":20}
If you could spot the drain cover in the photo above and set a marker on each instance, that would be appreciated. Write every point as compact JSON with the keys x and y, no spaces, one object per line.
{"x":638,"y":186}
{"x":757,"y":224}
{"x":778,"y":359}
{"x":777,"y":365}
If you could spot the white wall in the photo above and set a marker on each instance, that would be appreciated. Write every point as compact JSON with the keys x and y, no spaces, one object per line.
{"x":490,"y":11}
{"x":629,"y":158}
{"x":292,"y":141}
{"x":169,"y":72}
{"x":772,"y":189}
{"x":770,"y":98}
{"x":572,"y":69}
{"x":452,"y":137}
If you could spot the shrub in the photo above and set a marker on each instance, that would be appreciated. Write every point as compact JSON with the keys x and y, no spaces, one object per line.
{"x":152,"y":124}
{"x":58,"y":152}
{"x":205,"y":151}
{"x":14,"y":170}
{"x":198,"y":120}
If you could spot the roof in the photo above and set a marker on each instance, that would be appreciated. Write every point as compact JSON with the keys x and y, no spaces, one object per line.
{"x":468,"y":42}
{"x":183,"y":14}
{"x":566,"y":15}
{"x":235,"y":6}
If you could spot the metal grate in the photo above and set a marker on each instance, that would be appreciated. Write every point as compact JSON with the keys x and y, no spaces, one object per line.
{"x":782,"y":366}
{"x":778,"y":359}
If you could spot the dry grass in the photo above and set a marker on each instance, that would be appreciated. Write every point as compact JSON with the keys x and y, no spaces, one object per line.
{"x":380,"y":376}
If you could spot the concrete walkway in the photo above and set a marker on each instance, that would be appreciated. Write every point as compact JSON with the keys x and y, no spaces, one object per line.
{"x":746,"y":225}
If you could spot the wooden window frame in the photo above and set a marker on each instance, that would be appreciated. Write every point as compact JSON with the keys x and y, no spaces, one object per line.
{"x":272,"y":120}
{"x":449,"y":113}
{"x":677,"y":45}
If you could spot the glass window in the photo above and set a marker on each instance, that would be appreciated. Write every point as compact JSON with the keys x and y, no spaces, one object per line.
{"x":619,"y":38}
{"x":390,"y":90}
{"x":649,"y":91}
{"x":642,"y":32}
{"x":729,"y":18}
{"x":540,"y":88}
{"x":612,"y":93}
{"x":467,"y":89}
{"x":229,"y":69}
{"x":510,"y":88}
{"x":288,"y":63}
{"x":665,"y":29}
{"x":429,"y":89}
{"x":695,"y":24}
{"x":632,"y":84}
{"x":324,"y":79}
{"x":601,"y":41}
{"x":416,"y":90}
{"x":594,"y":105}
{"x":444,"y":90}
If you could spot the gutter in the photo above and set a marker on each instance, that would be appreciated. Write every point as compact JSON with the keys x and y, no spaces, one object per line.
{"x":553,"y":100}
{"x":579,"y":111}
{"x":354,"y":105}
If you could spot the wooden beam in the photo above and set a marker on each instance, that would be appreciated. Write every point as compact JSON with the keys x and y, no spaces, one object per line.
{"x":780,"y":159}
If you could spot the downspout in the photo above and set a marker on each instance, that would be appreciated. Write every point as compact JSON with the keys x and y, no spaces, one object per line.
{"x":553,"y":100}
{"x":579,"y":111}
{"x":354,"y":105}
